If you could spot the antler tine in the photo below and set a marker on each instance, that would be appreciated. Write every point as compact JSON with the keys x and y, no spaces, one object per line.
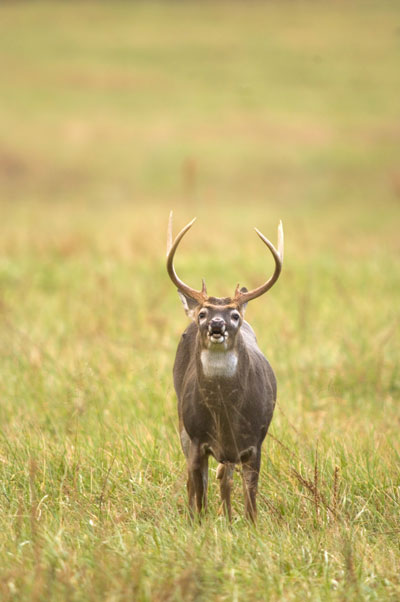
{"x":169,"y":232}
{"x":281,"y":239}
{"x":199,"y":296}
{"x":244,"y":297}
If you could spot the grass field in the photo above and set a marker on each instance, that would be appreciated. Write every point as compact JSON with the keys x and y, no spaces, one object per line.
{"x":240,"y":113}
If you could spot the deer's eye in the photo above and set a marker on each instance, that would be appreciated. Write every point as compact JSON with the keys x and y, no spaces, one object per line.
{"x":235,"y":316}
{"x":202,"y":315}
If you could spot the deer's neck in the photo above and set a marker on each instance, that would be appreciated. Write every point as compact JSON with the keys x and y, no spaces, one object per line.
{"x":219,"y":364}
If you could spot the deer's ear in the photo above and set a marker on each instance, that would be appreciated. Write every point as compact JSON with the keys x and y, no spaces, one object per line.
{"x":189,"y":304}
{"x":243,"y":290}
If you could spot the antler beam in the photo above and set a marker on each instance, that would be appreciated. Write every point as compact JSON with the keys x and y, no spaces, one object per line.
{"x":243,"y":297}
{"x":199,"y":296}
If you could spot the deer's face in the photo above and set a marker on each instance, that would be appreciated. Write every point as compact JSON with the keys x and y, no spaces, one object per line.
{"x":218,"y":325}
{"x":218,"y":321}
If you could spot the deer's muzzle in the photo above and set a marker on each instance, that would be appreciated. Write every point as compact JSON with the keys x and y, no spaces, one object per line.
{"x":217,"y":326}
{"x":217,"y":330}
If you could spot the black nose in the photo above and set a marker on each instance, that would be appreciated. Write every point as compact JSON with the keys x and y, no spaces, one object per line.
{"x":217,"y":325}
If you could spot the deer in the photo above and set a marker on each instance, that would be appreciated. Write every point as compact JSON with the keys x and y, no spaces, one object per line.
{"x":225,"y":386}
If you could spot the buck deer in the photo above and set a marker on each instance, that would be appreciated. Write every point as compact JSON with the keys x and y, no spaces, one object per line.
{"x":225,"y":386}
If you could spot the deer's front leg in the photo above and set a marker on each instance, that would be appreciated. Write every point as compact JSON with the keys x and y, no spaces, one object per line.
{"x":197,"y":477}
{"x":225,"y":474}
{"x":250,"y":472}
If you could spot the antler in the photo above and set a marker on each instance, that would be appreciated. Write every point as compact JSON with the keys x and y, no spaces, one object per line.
{"x":199,"y":296}
{"x":243,"y":297}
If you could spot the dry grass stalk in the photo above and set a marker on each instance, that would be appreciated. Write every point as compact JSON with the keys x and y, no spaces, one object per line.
{"x":318,"y":497}
{"x":335,"y":492}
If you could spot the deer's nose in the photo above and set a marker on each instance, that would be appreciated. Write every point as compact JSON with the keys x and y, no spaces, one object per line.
{"x":217,"y":326}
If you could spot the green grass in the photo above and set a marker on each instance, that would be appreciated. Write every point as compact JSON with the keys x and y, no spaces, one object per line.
{"x":240,"y":113}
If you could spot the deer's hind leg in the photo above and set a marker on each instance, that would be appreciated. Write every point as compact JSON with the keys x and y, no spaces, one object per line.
{"x":225,"y":474}
{"x":251,"y":461}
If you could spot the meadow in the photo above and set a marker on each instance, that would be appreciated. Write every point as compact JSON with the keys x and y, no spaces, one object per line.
{"x":111,"y":114}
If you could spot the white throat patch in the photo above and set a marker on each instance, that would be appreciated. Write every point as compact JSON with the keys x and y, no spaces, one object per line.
{"x":218,"y":363}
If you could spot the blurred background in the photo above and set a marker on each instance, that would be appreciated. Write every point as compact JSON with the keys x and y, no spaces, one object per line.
{"x":239,"y":113}
{"x":254,"y":110}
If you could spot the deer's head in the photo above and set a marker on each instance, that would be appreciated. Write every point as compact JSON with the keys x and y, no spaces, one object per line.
{"x":219,"y":319}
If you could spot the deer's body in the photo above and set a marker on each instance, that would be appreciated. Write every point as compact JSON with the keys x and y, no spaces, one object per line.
{"x":225,"y":398}
{"x":226,"y":392}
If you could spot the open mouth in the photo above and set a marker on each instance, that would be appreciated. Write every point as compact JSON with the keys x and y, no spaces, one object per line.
{"x":218,"y":337}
